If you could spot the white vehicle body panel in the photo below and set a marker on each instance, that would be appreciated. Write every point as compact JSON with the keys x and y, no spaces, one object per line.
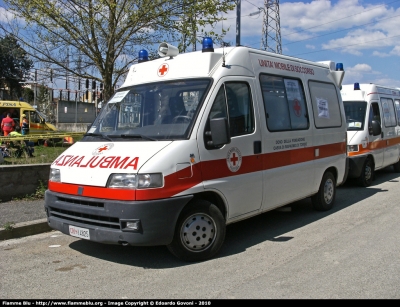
{"x":261,"y":167}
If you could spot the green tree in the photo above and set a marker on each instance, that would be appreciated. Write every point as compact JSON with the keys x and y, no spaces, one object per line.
{"x":28,"y":95}
{"x":100,"y":39}
{"x":14,"y":65}
{"x":43,"y":98}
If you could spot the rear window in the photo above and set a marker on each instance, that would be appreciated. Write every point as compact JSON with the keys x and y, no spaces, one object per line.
{"x":325,"y":104}
{"x":284,"y":102}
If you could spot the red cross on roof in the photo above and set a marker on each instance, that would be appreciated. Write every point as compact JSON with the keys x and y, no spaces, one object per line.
{"x":162,"y":70}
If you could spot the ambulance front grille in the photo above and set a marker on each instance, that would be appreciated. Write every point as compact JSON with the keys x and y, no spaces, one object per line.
{"x":87,"y":219}
{"x":81,"y":202}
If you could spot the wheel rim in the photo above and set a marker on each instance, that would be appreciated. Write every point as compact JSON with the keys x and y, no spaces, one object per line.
{"x":368,"y":172}
{"x":198,"y":232}
{"x":328,"y":191}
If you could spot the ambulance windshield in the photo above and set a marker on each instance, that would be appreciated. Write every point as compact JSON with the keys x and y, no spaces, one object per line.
{"x":155,"y":111}
{"x":355,"y":114}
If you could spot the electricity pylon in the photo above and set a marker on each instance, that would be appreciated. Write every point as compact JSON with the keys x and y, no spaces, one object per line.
{"x":271,"y":31}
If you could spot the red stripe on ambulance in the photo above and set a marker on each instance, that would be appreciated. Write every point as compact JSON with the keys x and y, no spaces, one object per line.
{"x":176,"y":183}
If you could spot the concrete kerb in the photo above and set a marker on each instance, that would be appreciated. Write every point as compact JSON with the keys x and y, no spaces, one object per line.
{"x":24,"y":229}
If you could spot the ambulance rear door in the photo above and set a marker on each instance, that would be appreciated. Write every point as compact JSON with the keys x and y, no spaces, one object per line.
{"x":234,"y":170}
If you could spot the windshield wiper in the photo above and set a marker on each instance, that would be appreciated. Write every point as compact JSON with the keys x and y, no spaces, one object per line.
{"x":100,"y":135}
{"x":136,"y":136}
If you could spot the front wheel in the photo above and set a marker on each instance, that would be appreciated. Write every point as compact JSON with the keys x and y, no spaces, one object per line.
{"x":325,"y":197}
{"x":396,"y":167}
{"x":199,"y":232}
{"x":367,"y":173}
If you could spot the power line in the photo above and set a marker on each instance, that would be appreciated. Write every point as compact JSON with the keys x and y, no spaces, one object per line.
{"x":329,"y":33}
{"x":253,"y":44}
{"x":251,"y":3}
{"x":346,"y":45}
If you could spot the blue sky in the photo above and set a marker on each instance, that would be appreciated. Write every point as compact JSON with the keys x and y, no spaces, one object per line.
{"x":363,"y":35}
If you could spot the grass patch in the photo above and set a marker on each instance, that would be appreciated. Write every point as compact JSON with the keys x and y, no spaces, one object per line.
{"x":42,"y":154}
{"x":9,"y":226}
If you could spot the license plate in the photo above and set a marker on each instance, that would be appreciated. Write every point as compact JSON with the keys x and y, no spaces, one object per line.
{"x":79,"y":232}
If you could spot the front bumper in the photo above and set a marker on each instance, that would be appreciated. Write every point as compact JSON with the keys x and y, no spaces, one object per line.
{"x":106,"y":218}
{"x":356,"y":164}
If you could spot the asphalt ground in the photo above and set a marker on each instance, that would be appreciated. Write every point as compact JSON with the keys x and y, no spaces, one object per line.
{"x":20,"y":218}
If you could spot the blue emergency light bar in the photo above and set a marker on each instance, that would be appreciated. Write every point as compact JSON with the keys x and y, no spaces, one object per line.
{"x":339,"y":66}
{"x":143,"y":56}
{"x":207,"y":45}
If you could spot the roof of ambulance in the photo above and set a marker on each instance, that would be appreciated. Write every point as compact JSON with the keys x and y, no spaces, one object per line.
{"x":202,"y":64}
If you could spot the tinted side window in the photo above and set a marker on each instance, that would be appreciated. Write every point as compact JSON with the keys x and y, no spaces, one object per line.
{"x":284,"y":102}
{"x":325,"y":103}
{"x":397,"y":103}
{"x":240,"y":108}
{"x":374,"y":114}
{"x":389,"y":116}
{"x":234,"y":99}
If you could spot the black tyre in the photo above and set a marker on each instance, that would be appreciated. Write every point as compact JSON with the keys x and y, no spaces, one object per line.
{"x":199,"y":232}
{"x":367,"y":173}
{"x":396,"y":167}
{"x":325,"y":197}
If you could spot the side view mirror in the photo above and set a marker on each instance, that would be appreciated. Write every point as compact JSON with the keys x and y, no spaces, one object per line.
{"x":375,"y":128}
{"x":42,"y":121}
{"x":219,"y":132}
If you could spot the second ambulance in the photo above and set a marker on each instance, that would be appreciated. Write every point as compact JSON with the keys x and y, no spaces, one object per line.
{"x":373,"y":129}
{"x":193,"y":142}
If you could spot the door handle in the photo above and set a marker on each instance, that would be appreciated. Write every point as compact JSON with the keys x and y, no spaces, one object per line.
{"x":257,"y":147}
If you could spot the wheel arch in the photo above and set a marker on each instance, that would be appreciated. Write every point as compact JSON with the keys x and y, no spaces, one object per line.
{"x":214,"y":198}
{"x":371,"y":157}
{"x":333,"y":170}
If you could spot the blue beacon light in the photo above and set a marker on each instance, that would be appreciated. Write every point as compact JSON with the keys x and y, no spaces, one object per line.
{"x":143,"y":56}
{"x":207,"y":45}
{"x":339,"y":67}
{"x":356,"y":86}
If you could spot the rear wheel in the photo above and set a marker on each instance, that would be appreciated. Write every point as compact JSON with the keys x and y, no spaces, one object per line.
{"x":396,"y":167}
{"x":199,"y":233}
{"x":325,"y":197}
{"x":367,"y":173}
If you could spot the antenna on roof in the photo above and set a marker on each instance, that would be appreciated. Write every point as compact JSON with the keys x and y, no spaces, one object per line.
{"x":223,"y":54}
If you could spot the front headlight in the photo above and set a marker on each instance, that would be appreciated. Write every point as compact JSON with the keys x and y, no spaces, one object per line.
{"x":135,"y":181}
{"x":55,"y":175}
{"x":126,"y":181}
{"x":352,"y":148}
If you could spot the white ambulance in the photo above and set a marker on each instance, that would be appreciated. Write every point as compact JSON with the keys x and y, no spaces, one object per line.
{"x":373,"y":129}
{"x":193,"y":142}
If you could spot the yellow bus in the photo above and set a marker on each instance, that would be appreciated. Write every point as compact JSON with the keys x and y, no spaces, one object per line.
{"x":37,"y":120}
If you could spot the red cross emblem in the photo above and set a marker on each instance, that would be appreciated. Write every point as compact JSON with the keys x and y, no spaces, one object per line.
{"x":103,"y":148}
{"x":234,"y":159}
{"x":162,"y":70}
{"x":99,"y":150}
{"x":297,"y":107}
